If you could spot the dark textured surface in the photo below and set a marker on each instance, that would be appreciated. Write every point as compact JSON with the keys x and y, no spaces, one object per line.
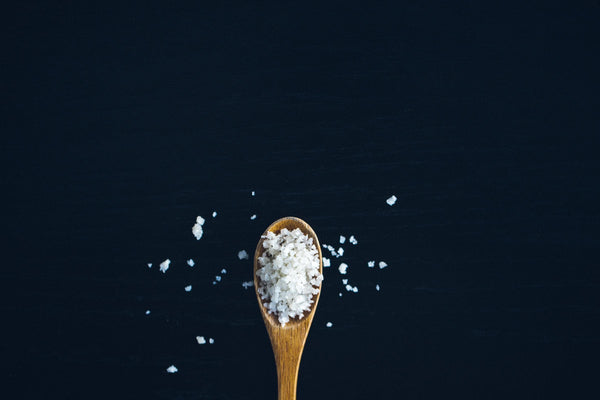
{"x":123,"y":124}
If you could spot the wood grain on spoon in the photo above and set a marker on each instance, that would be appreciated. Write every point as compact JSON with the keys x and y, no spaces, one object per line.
{"x":287,"y":341}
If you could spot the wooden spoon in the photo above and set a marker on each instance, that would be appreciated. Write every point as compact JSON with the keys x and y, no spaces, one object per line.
{"x":288,"y":341}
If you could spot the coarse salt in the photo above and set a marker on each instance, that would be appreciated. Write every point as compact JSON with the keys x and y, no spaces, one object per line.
{"x":214,"y":214}
{"x":164,"y":266}
{"x":382,"y":265}
{"x":188,"y":288}
{"x":326,"y":262}
{"x":247,"y":284}
{"x":218,"y":278}
{"x":242,"y":255}
{"x":223,"y":271}
{"x":147,"y":312}
{"x":392,"y":200}
{"x":329,"y":325}
{"x":211,"y":340}
{"x":343,"y":268}
{"x":172,"y":369}
{"x":377,"y":287}
{"x":253,"y":216}
{"x":190,"y":262}
{"x":200,"y":339}
{"x":353,"y":240}
{"x":340,"y":252}
{"x":149,"y":265}
{"x":345,"y":281}
{"x":288,"y":274}
{"x":197,"y":228}
{"x":371,"y":264}
{"x":342,"y":239}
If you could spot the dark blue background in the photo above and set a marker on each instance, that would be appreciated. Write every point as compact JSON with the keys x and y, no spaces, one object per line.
{"x":121,"y":124}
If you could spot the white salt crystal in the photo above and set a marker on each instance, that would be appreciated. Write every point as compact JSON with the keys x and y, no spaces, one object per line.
{"x":242,"y":255}
{"x":253,"y":193}
{"x":188,"y":288}
{"x":329,"y":325}
{"x":326,"y":262}
{"x":392,"y":200}
{"x":214,"y":283}
{"x":253,"y":216}
{"x":342,"y":239}
{"x":377,"y":287}
{"x":223,"y":271}
{"x":190,"y":262}
{"x":172,"y":369}
{"x":355,"y":289}
{"x":371,"y":264}
{"x":340,"y":294}
{"x":340,"y":252}
{"x":382,"y":265}
{"x":200,"y":339}
{"x":147,"y":312}
{"x":353,"y":240}
{"x":197,"y":228}
{"x":211,"y":340}
{"x":149,"y":265}
{"x":345,"y":281}
{"x":218,"y":278}
{"x":348,"y":288}
{"x":343,"y":268}
{"x":214,"y":214}
{"x":164,"y":266}
{"x":247,"y":284}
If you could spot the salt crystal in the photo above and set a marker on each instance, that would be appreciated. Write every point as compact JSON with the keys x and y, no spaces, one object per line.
{"x":188,"y":288}
{"x":200,"y":339}
{"x":348,"y":288}
{"x":218,"y":278}
{"x":329,"y":325}
{"x":253,"y":193}
{"x":377,"y":287}
{"x":211,"y":340}
{"x":242,"y":255}
{"x":392,"y":200}
{"x":342,"y":239}
{"x":214,"y":214}
{"x":197,"y":228}
{"x":343,"y":268}
{"x":147,"y":312}
{"x":355,"y":289}
{"x":326,"y":262}
{"x":253,"y":216}
{"x":223,"y":271}
{"x":164,"y":266}
{"x":371,"y":264}
{"x":340,"y":252}
{"x":340,"y":294}
{"x":214,"y":283}
{"x":382,"y":265}
{"x":247,"y":284}
{"x":172,"y":369}
{"x":345,"y":281}
{"x":190,"y":262}
{"x":353,"y":240}
{"x":149,"y":265}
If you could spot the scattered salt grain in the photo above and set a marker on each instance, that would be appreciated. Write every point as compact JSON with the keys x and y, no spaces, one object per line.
{"x":172,"y":369}
{"x":253,"y":216}
{"x":345,"y":281}
{"x":242,"y":255}
{"x":329,"y":325}
{"x":343,"y":268}
{"x":392,"y":200}
{"x":340,"y":252}
{"x":355,"y":289}
{"x":377,"y":287}
{"x":197,"y":228}
{"x":247,"y":284}
{"x":149,"y":265}
{"x":371,"y":264}
{"x":190,"y":262}
{"x":340,"y":294}
{"x":218,"y":278}
{"x":253,"y":193}
{"x":353,"y":240}
{"x":382,"y":265}
{"x":200,"y":339}
{"x":342,"y":239}
{"x":348,"y":288}
{"x":214,"y":214}
{"x":211,"y":340}
{"x":223,"y":271}
{"x":288,"y":274}
{"x":214,"y":283}
{"x":188,"y":288}
{"x":147,"y":312}
{"x":326,"y":262}
{"x":164,"y":266}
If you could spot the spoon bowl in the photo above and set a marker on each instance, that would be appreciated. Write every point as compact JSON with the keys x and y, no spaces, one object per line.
{"x":287,"y":341}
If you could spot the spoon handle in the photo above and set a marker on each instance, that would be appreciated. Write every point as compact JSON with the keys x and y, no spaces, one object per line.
{"x":288,"y":364}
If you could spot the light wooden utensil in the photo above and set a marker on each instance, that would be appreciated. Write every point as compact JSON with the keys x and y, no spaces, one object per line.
{"x":288,"y":341}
